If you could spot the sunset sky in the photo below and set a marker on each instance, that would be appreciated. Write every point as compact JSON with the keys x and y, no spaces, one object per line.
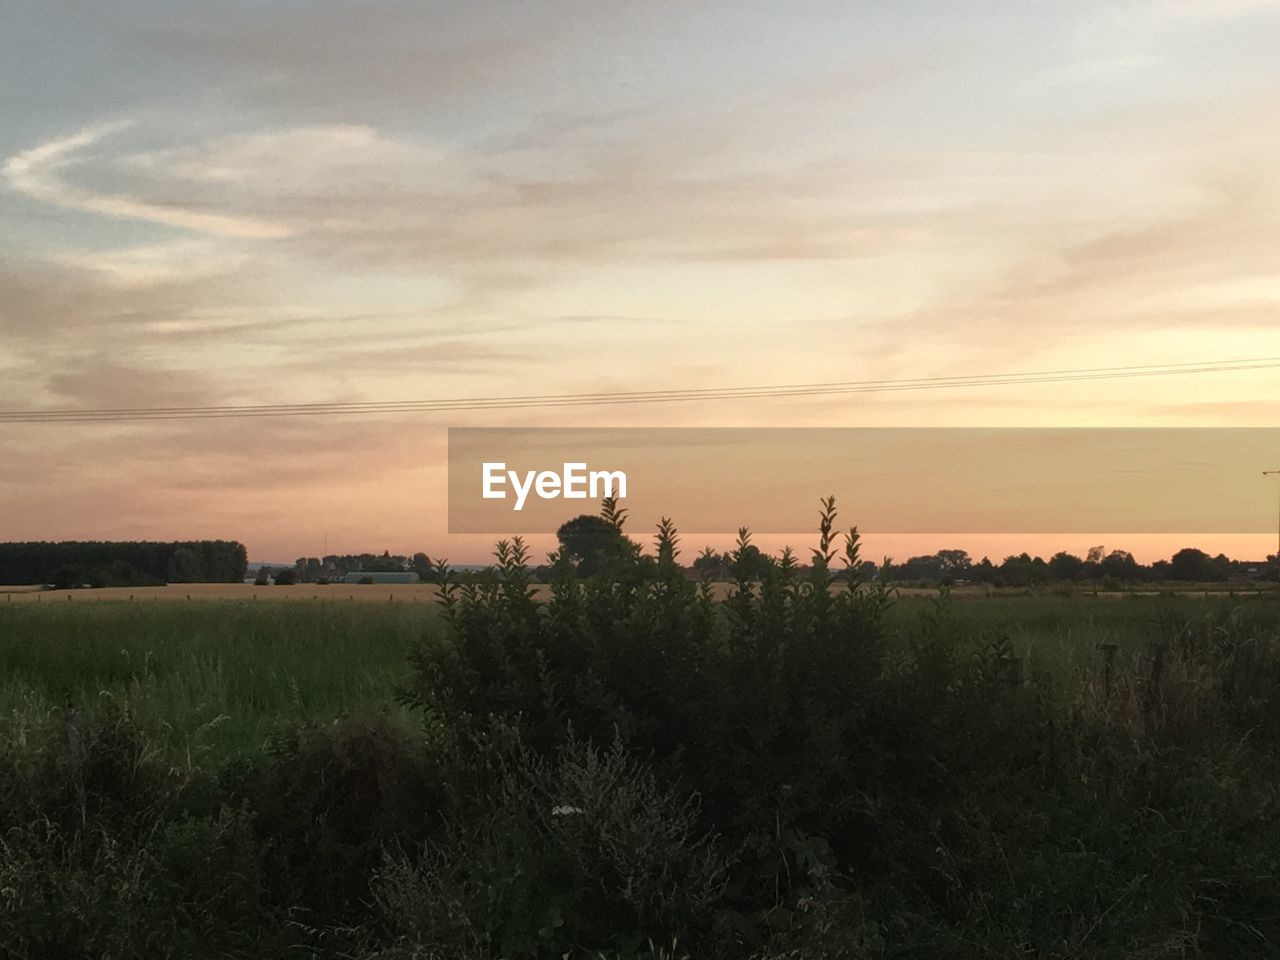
{"x":248,"y":203}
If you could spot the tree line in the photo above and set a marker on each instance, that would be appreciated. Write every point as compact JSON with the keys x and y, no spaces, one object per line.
{"x":592,"y":541}
{"x":132,"y":563}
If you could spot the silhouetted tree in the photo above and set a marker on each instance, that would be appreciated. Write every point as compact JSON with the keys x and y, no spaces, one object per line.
{"x":184,"y":567}
{"x":591,"y":542}
{"x":1191,"y":564}
{"x":1066,"y":566}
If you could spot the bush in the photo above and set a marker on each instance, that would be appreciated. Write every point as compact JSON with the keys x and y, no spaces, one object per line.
{"x":106,"y":850}
{"x":634,"y":769}
{"x":912,"y":798}
{"x":586,"y":851}
{"x":329,"y":799}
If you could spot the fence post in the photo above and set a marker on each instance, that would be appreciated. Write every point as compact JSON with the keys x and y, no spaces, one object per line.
{"x":1108,"y":651}
{"x":1157,"y":652}
{"x":1155,"y":673}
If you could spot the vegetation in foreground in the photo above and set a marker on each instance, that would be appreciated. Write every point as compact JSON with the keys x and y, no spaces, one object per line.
{"x":632,"y":769}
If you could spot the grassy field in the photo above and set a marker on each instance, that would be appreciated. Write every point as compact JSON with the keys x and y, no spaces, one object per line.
{"x":222,"y":676}
{"x":787,"y":774}
{"x":210,"y":676}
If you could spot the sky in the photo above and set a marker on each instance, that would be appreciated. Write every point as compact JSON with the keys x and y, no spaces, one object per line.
{"x":239,"y":203}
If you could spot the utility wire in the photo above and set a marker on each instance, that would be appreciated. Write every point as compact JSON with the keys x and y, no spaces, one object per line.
{"x":837,"y":388}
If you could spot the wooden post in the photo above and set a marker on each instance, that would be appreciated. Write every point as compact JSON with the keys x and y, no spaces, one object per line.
{"x":1156,"y":652}
{"x":1155,"y":673}
{"x":1108,"y":651}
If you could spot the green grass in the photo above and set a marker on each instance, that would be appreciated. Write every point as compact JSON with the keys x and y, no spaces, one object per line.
{"x":1057,"y":634}
{"x":223,"y":677}
{"x":854,"y":800}
{"x":215,"y":676}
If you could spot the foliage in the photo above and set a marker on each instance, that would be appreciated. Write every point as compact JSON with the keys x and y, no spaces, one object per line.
{"x":129,"y":563}
{"x":602,"y":854}
{"x":637,"y":764}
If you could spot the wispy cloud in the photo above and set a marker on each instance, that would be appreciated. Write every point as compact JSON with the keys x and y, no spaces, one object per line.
{"x":37,"y":172}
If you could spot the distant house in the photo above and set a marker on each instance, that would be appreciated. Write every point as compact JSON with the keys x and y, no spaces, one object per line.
{"x":358,"y":576}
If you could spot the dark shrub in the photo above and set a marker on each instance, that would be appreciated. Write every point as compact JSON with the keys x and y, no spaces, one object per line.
{"x":329,"y":799}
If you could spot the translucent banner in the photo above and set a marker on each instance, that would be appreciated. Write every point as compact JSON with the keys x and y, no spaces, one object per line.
{"x":925,"y":480}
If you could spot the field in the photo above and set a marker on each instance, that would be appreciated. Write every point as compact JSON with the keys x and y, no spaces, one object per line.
{"x":427,"y":593}
{"x":223,"y":671}
{"x":623,"y":768}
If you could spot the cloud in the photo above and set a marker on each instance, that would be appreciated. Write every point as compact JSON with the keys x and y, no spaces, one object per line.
{"x":36,"y":173}
{"x":154,"y":264}
{"x":352,"y":193}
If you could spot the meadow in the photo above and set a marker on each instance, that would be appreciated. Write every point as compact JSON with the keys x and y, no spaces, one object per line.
{"x":631,"y":765}
{"x":220,"y":676}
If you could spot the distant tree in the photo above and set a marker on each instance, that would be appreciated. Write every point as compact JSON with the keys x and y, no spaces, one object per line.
{"x":1221,"y":568}
{"x":69,"y":576}
{"x":307,"y":569}
{"x":286,"y":577}
{"x":184,"y":567}
{"x":984,"y":571}
{"x":926,"y":567}
{"x":751,"y":564}
{"x":1191,"y":564}
{"x":591,"y":542}
{"x":710,"y":565}
{"x":1121,"y":565}
{"x":421,"y":565}
{"x":955,"y":563}
{"x":1023,"y":570}
{"x":1067,"y":566}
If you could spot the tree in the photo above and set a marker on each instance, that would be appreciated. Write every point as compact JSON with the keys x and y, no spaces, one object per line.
{"x":184,"y":567}
{"x":1023,"y":570}
{"x":68,"y":576}
{"x":307,"y":569}
{"x":1067,"y":566}
{"x":1121,"y":565}
{"x":710,"y":565}
{"x":421,"y":565}
{"x":926,"y":567}
{"x":1191,"y":564}
{"x":591,"y":542}
{"x":955,"y":563}
{"x":750,"y":563}
{"x":984,"y":571}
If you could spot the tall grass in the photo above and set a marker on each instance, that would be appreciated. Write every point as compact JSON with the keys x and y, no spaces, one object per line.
{"x":220,"y":677}
{"x":631,"y":763}
{"x":223,"y":677}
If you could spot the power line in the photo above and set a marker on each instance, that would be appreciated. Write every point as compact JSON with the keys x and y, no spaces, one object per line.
{"x":837,"y":388}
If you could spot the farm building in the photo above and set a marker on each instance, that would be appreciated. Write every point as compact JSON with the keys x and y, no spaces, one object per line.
{"x":357,"y":576}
